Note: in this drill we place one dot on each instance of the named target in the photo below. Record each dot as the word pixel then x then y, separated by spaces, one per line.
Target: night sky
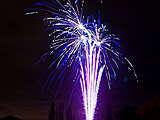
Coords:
pixel 23 40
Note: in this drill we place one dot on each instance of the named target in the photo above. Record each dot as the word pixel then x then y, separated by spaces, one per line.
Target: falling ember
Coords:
pixel 90 43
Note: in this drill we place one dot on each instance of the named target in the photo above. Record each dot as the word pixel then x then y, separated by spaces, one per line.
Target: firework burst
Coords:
pixel 75 37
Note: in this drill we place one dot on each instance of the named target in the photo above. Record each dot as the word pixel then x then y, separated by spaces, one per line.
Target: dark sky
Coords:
pixel 23 40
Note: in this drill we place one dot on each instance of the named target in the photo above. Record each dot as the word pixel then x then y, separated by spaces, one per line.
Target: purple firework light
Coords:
pixel 90 80
pixel 75 37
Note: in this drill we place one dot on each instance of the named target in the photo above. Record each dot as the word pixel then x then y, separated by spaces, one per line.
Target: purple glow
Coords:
pixel 90 80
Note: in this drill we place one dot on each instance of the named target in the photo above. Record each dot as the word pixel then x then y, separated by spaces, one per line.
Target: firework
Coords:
pixel 76 38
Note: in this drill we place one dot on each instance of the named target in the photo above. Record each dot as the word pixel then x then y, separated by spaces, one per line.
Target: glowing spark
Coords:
pixel 81 27
pixel 83 37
